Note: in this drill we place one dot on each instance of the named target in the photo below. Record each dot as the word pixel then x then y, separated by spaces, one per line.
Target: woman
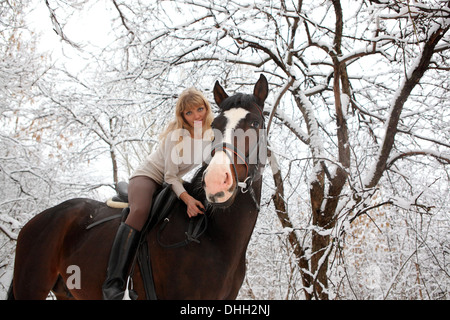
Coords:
pixel 193 118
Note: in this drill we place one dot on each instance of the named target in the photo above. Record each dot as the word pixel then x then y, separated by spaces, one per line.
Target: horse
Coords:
pixel 55 247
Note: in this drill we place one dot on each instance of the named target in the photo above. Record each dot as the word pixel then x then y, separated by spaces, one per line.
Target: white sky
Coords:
pixel 89 26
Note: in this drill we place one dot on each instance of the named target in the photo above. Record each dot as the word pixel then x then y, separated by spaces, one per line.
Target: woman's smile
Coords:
pixel 196 114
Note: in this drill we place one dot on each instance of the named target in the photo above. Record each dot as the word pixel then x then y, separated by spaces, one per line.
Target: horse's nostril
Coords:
pixel 203 178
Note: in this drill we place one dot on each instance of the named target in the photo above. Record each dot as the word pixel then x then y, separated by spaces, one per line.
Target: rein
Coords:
pixel 229 150
pixel 195 230
pixel 246 185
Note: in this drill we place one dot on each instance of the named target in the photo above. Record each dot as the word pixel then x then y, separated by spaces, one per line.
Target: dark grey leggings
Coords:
pixel 140 197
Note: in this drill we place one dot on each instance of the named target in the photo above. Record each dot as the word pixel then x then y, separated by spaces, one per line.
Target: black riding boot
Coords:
pixel 122 254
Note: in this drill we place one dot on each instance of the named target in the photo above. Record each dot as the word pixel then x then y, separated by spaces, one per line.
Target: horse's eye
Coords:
pixel 255 124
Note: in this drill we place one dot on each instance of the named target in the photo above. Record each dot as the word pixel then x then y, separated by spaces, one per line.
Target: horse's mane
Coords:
pixel 238 100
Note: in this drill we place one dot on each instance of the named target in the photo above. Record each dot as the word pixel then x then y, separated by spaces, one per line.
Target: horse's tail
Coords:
pixel 10 295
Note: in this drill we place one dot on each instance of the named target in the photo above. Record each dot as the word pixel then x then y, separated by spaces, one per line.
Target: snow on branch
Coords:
pixel 411 79
pixel 58 28
pixel 438 155
pixel 315 141
pixel 292 126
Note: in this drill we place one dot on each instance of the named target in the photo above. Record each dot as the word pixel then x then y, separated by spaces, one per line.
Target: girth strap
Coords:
pixel 103 221
pixel 162 206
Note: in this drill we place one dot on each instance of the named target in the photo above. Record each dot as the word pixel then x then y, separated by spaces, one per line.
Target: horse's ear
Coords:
pixel 219 93
pixel 261 90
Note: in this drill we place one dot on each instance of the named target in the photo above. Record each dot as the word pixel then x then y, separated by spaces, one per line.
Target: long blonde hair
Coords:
pixel 188 99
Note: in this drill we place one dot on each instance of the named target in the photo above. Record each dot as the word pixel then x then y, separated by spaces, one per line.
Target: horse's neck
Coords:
pixel 235 224
pixel 195 188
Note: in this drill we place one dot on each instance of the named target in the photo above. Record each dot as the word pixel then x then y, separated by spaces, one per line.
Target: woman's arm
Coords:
pixel 172 161
pixel 194 207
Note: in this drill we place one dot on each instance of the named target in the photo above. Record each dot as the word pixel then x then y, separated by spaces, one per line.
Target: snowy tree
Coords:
pixel 21 171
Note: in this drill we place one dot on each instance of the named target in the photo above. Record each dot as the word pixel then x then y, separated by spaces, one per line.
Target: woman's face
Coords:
pixel 197 113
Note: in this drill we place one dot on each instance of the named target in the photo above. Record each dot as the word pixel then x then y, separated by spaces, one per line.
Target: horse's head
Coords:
pixel 239 147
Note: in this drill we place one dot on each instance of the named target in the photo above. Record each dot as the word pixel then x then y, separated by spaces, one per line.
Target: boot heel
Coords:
pixel 122 254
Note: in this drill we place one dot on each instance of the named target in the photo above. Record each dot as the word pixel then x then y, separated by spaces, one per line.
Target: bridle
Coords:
pixel 251 173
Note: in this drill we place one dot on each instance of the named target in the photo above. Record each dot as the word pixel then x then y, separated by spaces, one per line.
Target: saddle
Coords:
pixel 163 202
pixel 122 192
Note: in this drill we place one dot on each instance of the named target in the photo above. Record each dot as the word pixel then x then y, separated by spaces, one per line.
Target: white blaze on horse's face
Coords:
pixel 219 177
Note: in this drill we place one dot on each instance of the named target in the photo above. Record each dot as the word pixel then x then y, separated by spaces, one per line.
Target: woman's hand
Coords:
pixel 194 207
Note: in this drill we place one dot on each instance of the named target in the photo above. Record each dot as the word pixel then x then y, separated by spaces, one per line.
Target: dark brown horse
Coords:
pixel 55 252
